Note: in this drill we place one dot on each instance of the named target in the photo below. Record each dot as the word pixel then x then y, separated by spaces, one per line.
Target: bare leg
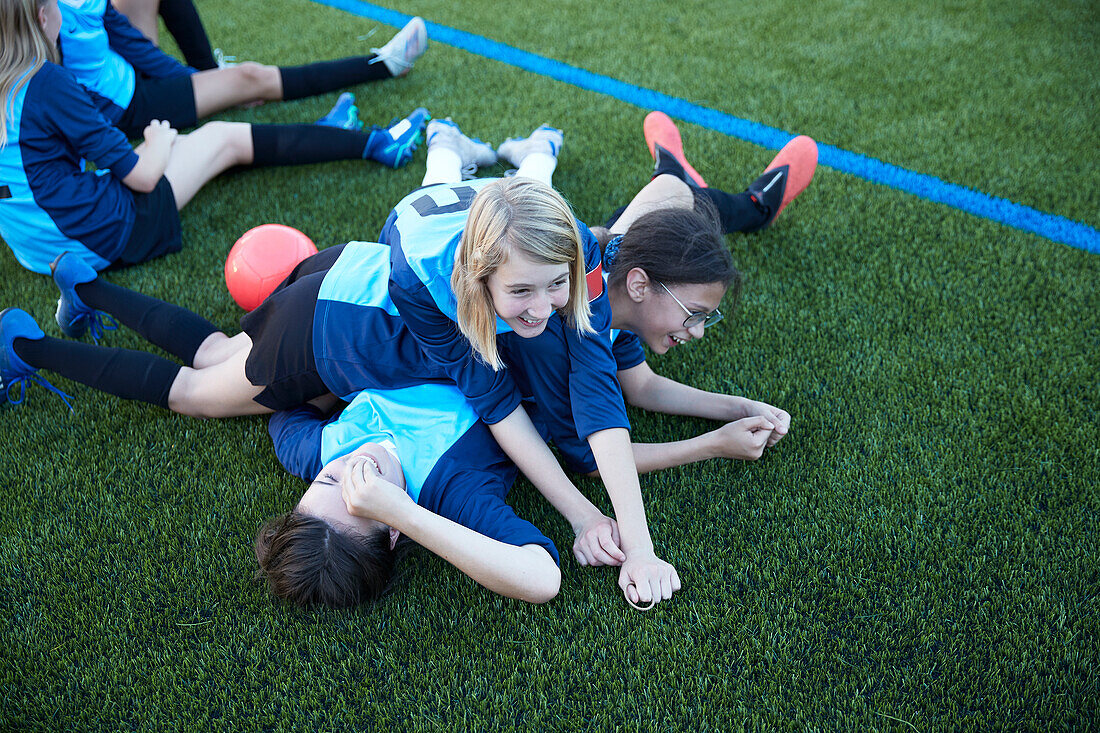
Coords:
pixel 663 192
pixel 220 389
pixel 218 348
pixel 220 89
pixel 213 148
pixel 142 15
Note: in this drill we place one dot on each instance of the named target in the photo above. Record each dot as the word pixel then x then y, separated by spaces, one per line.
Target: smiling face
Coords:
pixel 658 319
pixel 324 498
pixel 525 293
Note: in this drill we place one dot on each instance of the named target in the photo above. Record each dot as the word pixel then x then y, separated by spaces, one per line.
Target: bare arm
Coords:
pixel 644 388
pixel 644 577
pixel 528 573
pixel 153 157
pixel 597 535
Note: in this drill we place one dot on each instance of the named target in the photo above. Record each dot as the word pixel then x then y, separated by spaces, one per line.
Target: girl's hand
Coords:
pixel 597 542
pixel 780 419
pixel 744 439
pixel 367 494
pixel 160 132
pixel 646 580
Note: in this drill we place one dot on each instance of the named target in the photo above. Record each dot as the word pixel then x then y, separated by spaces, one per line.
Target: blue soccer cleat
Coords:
pixel 343 115
pixel 18 324
pixel 73 316
pixel 394 145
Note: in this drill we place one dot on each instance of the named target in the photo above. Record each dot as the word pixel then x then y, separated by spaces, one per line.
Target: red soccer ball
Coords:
pixel 261 259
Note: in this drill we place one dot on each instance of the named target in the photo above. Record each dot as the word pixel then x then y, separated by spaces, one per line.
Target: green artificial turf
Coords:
pixel 919 553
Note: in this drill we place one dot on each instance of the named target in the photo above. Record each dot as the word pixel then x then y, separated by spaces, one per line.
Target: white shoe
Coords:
pixel 545 139
pixel 473 152
pixel 223 61
pixel 404 48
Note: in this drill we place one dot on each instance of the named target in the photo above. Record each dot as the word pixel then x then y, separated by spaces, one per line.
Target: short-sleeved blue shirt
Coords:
pixel 452 465
pixel 423 232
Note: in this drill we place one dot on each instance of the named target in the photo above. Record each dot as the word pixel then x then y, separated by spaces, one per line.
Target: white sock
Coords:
pixel 443 166
pixel 539 166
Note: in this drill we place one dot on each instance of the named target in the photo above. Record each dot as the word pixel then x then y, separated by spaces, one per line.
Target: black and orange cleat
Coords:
pixel 663 139
pixel 784 178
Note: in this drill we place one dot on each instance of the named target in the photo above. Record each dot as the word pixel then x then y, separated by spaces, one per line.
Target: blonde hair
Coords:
pixel 522 215
pixel 24 47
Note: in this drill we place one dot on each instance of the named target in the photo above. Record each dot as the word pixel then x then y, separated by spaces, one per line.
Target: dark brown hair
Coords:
pixel 677 246
pixel 307 561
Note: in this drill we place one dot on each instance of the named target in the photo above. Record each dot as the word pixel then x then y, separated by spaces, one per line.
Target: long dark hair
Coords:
pixel 676 246
pixel 307 561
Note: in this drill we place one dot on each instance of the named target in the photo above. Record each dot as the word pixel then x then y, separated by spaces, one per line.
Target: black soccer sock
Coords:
pixel 171 327
pixel 298 144
pixel 183 22
pixel 737 212
pixel 132 375
pixel 328 76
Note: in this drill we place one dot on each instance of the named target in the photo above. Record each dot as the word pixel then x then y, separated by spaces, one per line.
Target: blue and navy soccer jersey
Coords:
pixel 48 203
pixel 359 339
pixel 452 465
pixel 423 231
pixel 105 52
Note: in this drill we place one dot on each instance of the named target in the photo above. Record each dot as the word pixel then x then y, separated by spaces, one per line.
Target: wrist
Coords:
pixel 737 408
pixel 582 517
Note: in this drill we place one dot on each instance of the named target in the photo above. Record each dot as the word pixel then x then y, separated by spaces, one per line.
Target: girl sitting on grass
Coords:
pixel 50 205
pixel 132 81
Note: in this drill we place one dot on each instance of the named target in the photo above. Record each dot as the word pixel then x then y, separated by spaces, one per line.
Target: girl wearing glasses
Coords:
pixel 666 270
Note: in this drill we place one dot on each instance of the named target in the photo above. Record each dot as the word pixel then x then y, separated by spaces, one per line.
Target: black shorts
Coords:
pixel 281 328
pixel 156 230
pixel 171 99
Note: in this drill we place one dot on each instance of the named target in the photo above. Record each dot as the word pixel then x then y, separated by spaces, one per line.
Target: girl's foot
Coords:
pixel 404 48
pixel 785 177
pixel 473 153
pixel 663 139
pixel 394 145
pixel 545 139
pixel 73 315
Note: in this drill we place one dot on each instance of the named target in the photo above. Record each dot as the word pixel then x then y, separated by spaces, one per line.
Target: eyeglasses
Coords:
pixel 694 318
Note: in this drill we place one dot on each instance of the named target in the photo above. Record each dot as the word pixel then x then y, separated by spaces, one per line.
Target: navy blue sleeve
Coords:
pixel 594 392
pixel 296 434
pixel 139 51
pixel 69 110
pixel 468 485
pixel 493 394
pixel 627 349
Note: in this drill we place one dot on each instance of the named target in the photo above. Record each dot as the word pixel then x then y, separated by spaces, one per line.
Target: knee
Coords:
pixel 670 188
pixel 228 138
pixel 264 79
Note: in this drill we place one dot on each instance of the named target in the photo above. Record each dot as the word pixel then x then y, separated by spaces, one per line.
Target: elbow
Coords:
pixel 545 587
pixel 543 579
pixel 141 183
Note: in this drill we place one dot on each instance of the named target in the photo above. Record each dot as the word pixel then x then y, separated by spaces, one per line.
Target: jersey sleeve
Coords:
pixel 296 435
pixel 71 112
pixel 594 392
pixel 627 348
pixel 475 498
pixel 493 394
pixel 139 51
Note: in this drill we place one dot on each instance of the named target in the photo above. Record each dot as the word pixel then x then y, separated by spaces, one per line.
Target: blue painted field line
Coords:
pixel 1051 226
